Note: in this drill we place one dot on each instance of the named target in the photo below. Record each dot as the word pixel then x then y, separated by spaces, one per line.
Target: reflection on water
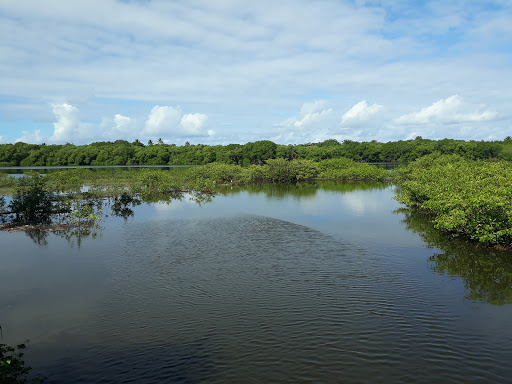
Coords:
pixel 303 190
pixel 265 284
pixel 487 273
pixel 75 219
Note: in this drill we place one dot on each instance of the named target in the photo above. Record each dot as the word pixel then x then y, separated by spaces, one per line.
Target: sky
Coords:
pixel 237 71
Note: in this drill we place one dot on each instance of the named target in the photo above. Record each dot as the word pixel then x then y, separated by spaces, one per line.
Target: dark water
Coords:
pixel 268 284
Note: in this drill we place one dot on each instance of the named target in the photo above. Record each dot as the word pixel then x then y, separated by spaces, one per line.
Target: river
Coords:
pixel 325 282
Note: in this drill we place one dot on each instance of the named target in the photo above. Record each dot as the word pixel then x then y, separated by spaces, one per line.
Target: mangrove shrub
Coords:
pixel 466 197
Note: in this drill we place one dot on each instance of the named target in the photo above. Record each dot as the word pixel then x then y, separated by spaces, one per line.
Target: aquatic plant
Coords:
pixel 466 197
pixel 284 171
pixel 32 203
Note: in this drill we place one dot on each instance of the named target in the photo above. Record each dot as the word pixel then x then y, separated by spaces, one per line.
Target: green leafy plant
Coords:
pixel 466 197
pixel 12 366
pixel 32 203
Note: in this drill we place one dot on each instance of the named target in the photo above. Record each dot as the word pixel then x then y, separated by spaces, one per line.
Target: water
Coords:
pixel 316 283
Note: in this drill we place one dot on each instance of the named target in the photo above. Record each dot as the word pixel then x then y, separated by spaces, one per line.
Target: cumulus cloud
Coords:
pixel 123 123
pixel 311 124
pixel 68 127
pixel 170 121
pixel 360 114
pixel 162 120
pixel 30 138
pixel 310 115
pixel 192 124
pixel 120 127
pixel 67 122
pixel 452 110
pixel 259 60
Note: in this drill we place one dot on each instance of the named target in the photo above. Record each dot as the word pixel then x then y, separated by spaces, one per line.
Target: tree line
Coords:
pixel 122 152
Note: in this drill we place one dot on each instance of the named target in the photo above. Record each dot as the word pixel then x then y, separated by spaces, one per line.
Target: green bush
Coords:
pixel 12 366
pixel 32 203
pixel 346 169
pixel 281 170
pixel 216 171
pixel 466 197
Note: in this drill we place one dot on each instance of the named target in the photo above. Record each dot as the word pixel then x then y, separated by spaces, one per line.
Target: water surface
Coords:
pixel 310 283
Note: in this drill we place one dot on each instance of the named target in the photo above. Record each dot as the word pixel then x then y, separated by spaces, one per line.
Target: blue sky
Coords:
pixel 225 71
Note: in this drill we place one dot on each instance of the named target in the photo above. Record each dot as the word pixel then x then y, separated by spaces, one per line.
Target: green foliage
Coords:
pixel 121 152
pixel 284 171
pixel 12 366
pixel 2 204
pixel 32 203
pixel 6 181
pixel 346 169
pixel 216 171
pixel 281 170
pixel 466 197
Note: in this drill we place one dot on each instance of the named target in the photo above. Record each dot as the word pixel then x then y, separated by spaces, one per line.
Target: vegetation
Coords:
pixel 12 366
pixel 32 203
pixel 465 198
pixel 121 152
pixel 71 202
pixel 284 171
pixel 470 198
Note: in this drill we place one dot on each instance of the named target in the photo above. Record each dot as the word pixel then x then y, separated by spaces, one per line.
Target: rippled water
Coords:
pixel 281 284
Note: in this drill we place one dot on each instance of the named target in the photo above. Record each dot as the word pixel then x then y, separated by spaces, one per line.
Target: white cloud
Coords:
pixel 123 124
pixel 193 124
pixel 162 120
pixel 247 62
pixel 68 127
pixel 360 114
pixel 311 114
pixel 120 127
pixel 169 121
pixel 166 122
pixel 311 124
pixel 30 138
pixel 452 110
pixel 67 122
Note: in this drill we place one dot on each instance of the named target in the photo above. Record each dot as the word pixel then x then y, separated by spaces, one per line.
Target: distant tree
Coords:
pixel 329 142
pixel 160 141
pixel 150 142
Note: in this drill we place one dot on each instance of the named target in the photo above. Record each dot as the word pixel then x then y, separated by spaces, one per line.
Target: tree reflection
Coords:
pixel 121 205
pixel 302 189
pixel 77 218
pixel 38 236
pixel 487 272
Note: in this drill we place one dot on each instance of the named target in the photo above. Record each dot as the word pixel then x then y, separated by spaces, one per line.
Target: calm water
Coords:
pixel 292 284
